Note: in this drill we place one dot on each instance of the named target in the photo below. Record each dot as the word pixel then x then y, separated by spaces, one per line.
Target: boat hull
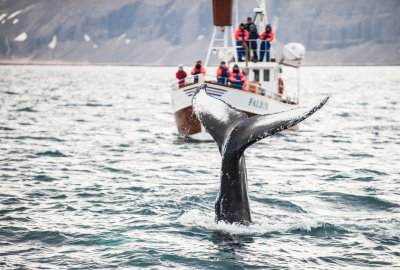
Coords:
pixel 187 122
pixel 250 103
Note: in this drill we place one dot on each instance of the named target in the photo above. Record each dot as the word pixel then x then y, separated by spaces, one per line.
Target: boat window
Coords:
pixel 266 75
pixel 256 75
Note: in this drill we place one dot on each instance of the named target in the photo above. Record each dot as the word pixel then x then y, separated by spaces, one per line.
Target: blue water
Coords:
pixel 93 176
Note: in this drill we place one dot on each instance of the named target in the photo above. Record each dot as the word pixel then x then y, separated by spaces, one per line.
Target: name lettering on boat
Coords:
pixel 258 104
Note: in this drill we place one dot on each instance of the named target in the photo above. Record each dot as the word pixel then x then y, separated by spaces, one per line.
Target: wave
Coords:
pixel 26 109
pixel 46 237
pixel 50 154
pixel 33 138
pixel 360 201
pixel 287 205
pixel 43 178
pixel 7 129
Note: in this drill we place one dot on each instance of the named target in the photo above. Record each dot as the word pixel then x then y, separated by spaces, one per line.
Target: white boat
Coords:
pixel 263 92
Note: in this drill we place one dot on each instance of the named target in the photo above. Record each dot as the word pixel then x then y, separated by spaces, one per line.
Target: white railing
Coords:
pixel 249 87
pixel 256 50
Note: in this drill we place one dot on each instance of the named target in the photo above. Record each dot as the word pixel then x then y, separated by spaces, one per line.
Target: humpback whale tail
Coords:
pixel 234 131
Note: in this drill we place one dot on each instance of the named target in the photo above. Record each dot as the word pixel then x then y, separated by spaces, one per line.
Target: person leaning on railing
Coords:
pixel 198 69
pixel 265 47
pixel 253 37
pixel 241 36
pixel 223 73
pixel 181 75
pixel 237 78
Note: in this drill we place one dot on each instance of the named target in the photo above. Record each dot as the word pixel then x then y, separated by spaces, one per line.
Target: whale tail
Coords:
pixel 234 131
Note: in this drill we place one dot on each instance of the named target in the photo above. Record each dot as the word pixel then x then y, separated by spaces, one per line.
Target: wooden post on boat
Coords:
pixel 246 70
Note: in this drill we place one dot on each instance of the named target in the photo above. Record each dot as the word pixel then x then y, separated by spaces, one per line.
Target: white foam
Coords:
pixel 15 21
pixel 197 218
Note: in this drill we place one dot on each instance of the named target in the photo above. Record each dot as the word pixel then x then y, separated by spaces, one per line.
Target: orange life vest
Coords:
pixel 268 37
pixel 241 35
pixel 196 71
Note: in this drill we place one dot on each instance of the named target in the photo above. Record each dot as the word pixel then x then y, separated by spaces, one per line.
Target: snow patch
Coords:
pixel 2 16
pixel 86 37
pixel 201 37
pixel 122 36
pixel 16 13
pixel 127 41
pixel 21 37
pixel 15 21
pixel 53 42
pixel 95 46
pixel 3 21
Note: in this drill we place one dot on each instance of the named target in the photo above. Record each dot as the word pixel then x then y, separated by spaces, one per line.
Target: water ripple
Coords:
pixel 93 176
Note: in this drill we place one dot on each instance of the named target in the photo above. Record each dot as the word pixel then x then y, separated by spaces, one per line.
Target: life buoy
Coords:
pixel 281 87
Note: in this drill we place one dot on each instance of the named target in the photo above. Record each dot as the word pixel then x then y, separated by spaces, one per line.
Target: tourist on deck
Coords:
pixel 237 78
pixel 241 36
pixel 267 37
pixel 198 69
pixel 249 23
pixel 181 75
pixel 223 73
pixel 253 34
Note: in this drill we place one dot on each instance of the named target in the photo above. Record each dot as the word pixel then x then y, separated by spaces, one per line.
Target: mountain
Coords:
pixel 168 32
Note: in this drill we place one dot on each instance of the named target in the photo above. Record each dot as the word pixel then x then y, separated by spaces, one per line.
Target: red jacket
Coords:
pixel 181 75
pixel 241 35
pixel 268 37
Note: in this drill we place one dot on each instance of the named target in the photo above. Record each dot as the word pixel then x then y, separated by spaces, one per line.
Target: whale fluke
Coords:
pixel 234 131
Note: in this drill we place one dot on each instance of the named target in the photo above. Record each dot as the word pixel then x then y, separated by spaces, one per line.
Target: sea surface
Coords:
pixel 94 176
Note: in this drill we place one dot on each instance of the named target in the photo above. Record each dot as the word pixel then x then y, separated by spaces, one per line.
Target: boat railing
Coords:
pixel 252 87
pixel 255 51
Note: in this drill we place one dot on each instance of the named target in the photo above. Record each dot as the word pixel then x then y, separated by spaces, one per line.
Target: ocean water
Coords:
pixel 93 176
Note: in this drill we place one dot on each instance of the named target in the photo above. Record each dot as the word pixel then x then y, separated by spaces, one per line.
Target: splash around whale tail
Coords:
pixel 233 130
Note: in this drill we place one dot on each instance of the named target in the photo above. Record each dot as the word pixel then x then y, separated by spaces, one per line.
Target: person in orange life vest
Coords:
pixel 236 78
pixel 198 69
pixel 241 36
pixel 181 75
pixel 222 73
pixel 266 38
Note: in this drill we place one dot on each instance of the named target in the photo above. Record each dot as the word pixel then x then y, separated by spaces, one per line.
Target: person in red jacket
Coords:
pixel 237 78
pixel 241 36
pixel 198 69
pixel 266 38
pixel 181 75
pixel 223 73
